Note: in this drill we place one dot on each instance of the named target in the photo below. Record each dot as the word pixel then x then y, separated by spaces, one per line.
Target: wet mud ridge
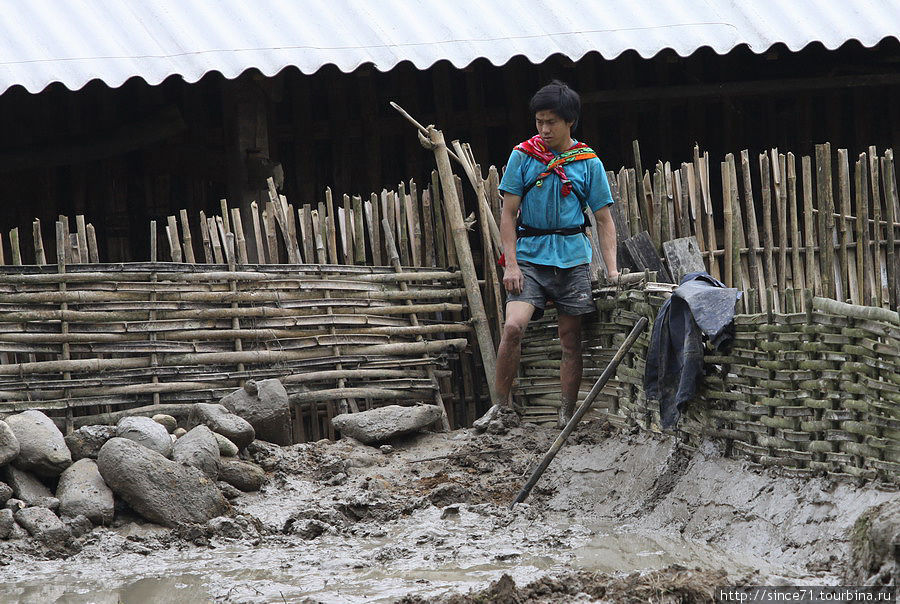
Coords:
pixel 618 516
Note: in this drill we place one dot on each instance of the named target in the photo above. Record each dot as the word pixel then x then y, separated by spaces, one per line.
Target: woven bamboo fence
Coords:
pixel 352 305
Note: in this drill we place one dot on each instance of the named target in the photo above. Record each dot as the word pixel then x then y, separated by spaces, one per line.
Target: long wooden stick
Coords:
pixel 585 406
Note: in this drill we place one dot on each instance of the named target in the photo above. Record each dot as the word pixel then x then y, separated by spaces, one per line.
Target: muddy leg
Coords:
pixel 570 370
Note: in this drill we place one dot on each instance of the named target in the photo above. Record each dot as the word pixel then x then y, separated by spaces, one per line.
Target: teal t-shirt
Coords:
pixel 544 207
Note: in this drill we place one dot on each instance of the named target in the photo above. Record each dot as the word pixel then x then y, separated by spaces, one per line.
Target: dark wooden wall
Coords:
pixel 125 156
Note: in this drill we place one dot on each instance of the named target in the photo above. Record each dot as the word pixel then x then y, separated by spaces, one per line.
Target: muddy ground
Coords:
pixel 619 516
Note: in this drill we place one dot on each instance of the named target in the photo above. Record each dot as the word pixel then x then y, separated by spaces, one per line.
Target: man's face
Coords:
pixel 555 132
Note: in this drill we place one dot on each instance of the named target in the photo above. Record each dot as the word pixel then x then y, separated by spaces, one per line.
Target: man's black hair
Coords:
pixel 558 98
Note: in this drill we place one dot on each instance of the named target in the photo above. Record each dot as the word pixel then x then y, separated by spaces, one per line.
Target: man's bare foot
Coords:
pixel 566 410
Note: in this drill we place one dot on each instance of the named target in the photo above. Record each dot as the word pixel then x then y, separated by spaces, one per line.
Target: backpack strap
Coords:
pixel 524 230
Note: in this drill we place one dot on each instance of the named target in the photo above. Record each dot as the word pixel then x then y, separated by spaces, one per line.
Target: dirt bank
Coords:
pixel 347 522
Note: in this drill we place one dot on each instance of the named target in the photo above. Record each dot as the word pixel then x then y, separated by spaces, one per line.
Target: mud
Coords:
pixel 617 513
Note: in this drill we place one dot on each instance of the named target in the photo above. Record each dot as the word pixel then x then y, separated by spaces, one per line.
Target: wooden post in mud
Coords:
pixel 582 409
pixel 453 212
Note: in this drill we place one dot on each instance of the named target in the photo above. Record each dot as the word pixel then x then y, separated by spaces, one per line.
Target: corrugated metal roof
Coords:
pixel 75 41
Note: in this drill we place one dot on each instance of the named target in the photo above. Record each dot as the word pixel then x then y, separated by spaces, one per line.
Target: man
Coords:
pixel 550 181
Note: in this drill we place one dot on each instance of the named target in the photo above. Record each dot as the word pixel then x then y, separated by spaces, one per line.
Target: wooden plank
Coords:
pixel 93 250
pixel 172 235
pixel 683 256
pixel 813 279
pixel 644 254
pixel 261 256
pixel 849 288
pixel 304 215
pixel 753 260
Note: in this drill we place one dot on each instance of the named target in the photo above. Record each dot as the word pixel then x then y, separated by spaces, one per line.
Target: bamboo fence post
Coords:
pixel 756 269
pixel 440 241
pixel 891 202
pixel 669 227
pixel 415 223
pixel 40 257
pixel 741 264
pixel 347 231
pixel 188 241
pixel 453 211
pixel 826 217
pixel 401 224
pixel 394 259
pixel 204 237
pixel 654 209
pixel 271 235
pixel 172 236
pixel 428 228
pixel 15 251
pixel 373 221
pixel 708 209
pixel 93 250
pixel 317 222
pixel 813 279
pixel 694 196
pixel 152 312
pixel 766 182
pixel 239 238
pixel 257 233
pixel 637 224
pixel 779 169
pixel 359 233
pixel 862 213
pixel 874 172
pixel 81 231
pixel 223 206
pixel 64 325
pixel 727 205
pixel 215 241
pixel 798 282
pixel 304 215
pixel 2 259
pixel 848 281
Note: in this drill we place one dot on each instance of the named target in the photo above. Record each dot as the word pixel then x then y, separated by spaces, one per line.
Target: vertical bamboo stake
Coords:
pixel 39 256
pixel 891 202
pixel 848 281
pixel 2 259
pixel 373 216
pixel 874 172
pixel 240 240
pixel 741 265
pixel 729 225
pixel 61 240
pixel 204 236
pixel 779 170
pixel 453 211
pixel 394 260
pixel 188 241
pixel 317 222
pixel 669 228
pixel 329 227
pixel 15 252
pixel 153 249
pixel 403 225
pixel 151 314
pixel 213 230
pixel 415 225
pixel 359 234
pixel 809 228
pixel 93 250
pixel 223 205
pixel 428 228
pixel 348 231
pixel 756 269
pixel 862 213
pixel 174 244
pixel 797 281
pixel 654 209
pixel 826 217
pixel 708 209
pixel 268 219
pixel 304 215
pixel 81 231
pixel 766 181
pixel 634 206
pixel 257 234
pixel 440 239
pixel 694 196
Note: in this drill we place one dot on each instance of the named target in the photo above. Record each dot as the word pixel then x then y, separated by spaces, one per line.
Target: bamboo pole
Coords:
pixel 347 231
pixel 766 180
pixel 81 231
pixel 453 211
pixel 797 279
pixel 257 233
pixel 891 202
pixel 874 172
pixel 373 222
pixel 862 213
pixel 40 257
pixel 188 241
pixel 848 282
pixel 243 256
pixel 813 279
pixel 15 251
pixel 826 205
pixel 93 250
pixel 304 215
pixel 727 205
pixel 359 234
pixel 779 169
pixel 64 325
pixel 756 269
pixel 394 259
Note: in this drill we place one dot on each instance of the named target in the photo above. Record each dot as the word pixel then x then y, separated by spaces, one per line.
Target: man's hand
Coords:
pixel 613 276
pixel 513 280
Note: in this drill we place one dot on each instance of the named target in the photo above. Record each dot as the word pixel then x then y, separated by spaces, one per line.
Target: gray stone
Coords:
pixel 79 525
pixel 244 475
pixel 82 491
pixel 51 503
pixel 265 405
pixel 158 489
pixel 87 440
pixel 146 432
pixel 43 525
pixel 226 447
pixel 166 421
pixel 198 448
pixel 179 432
pixel 874 542
pixel 7 522
pixel 6 492
pixel 228 491
pixel 9 444
pixel 384 423
pixel 222 421
pixel 42 449
pixel 14 504
pixel 25 486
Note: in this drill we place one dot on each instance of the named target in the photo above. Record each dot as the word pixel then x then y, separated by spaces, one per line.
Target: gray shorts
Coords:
pixel 568 288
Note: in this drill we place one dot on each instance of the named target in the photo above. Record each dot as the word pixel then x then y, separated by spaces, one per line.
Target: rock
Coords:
pixel 222 421
pixel 9 444
pixel 383 424
pixel 15 505
pixel 166 421
pixel 87 440
pixel 146 432
pixel 226 447
pixel 225 527
pixel 244 475
pixel 497 420
pixel 25 486
pixel 874 542
pixel 158 489
pixel 179 432
pixel 449 493
pixel 42 449
pixel 6 492
pixel 7 522
pixel 81 491
pixel 265 405
pixel 198 448
pixel 43 525
pixel 386 449
pixel 228 491
pixel 51 503
pixel 79 525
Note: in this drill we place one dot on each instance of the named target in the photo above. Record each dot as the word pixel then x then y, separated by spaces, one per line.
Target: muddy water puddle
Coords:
pixel 423 554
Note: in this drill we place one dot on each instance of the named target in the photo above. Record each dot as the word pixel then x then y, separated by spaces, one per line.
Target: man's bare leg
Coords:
pixel 570 369
pixel 518 314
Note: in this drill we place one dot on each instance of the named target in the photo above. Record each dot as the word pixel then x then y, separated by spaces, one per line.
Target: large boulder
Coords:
pixel 199 448
pixel 874 545
pixel 384 423
pixel 26 487
pixel 43 525
pixel 146 432
pixel 5 492
pixel 160 490
pixel 42 449
pixel 222 421
pixel 9 444
pixel 240 474
pixel 265 405
pixel 87 440
pixel 7 523
pixel 81 490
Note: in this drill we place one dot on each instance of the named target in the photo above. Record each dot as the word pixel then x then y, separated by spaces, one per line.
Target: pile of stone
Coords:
pixel 54 487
